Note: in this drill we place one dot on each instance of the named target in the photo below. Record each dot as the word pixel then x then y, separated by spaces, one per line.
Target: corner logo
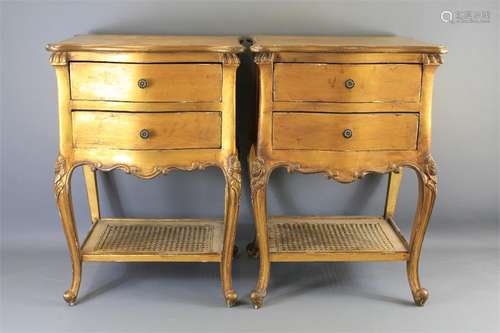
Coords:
pixel 465 16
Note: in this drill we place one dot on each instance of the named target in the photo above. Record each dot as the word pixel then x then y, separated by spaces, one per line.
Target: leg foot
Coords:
pixel 257 299
pixel 231 298
pixel 421 296
pixel 70 297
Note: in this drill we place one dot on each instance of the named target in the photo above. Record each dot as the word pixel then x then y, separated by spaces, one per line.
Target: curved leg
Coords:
pixel 232 172
pixel 258 182
pixel 62 189
pixel 427 188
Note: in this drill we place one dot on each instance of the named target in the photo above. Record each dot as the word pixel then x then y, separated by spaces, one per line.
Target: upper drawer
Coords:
pixel 347 83
pixel 146 131
pixel 146 82
pixel 345 132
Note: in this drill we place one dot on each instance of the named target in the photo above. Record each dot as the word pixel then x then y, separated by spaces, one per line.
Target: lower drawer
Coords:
pixel 123 130
pixel 345 132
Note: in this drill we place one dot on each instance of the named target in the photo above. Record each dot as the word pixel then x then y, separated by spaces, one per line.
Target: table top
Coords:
pixel 148 43
pixel 344 44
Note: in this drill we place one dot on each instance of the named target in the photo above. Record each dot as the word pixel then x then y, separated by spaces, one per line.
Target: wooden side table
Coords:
pixel 345 107
pixel 147 105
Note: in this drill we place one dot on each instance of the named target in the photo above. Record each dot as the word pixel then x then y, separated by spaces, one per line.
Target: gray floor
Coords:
pixel 459 267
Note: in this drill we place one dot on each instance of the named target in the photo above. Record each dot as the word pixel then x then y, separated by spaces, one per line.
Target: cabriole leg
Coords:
pixel 258 182
pixel 62 189
pixel 232 172
pixel 427 188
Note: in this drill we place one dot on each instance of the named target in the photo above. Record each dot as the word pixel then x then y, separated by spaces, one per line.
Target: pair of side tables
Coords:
pixel 343 106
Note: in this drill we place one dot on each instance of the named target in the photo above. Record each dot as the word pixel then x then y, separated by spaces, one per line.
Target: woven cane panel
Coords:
pixel 328 237
pixel 157 238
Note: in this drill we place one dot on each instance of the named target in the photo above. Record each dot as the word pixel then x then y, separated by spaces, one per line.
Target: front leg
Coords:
pixel 62 190
pixel 427 188
pixel 232 173
pixel 258 180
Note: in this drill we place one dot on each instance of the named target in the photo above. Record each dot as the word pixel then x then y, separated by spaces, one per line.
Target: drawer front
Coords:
pixel 146 82
pixel 345 132
pixel 347 83
pixel 122 130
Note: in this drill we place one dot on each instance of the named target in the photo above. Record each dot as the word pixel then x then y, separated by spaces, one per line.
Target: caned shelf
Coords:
pixel 335 238
pixel 177 240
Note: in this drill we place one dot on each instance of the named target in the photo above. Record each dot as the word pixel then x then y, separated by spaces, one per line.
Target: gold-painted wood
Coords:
pixel 139 107
pixel 342 44
pixel 335 238
pixel 328 82
pixel 346 107
pixel 349 58
pixel 302 107
pixel 393 185
pixel 427 191
pixel 62 190
pixel 387 131
pixel 148 43
pixel 116 130
pixel 154 240
pixel 189 113
pixel 232 174
pixel 164 82
pixel 258 185
pixel 145 57
pixel 92 193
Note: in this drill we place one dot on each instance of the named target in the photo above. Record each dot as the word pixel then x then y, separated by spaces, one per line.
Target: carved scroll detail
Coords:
pixel 264 58
pixel 339 175
pixel 258 175
pixel 230 59
pixel 233 171
pixel 147 173
pixel 432 59
pixel 58 59
pixel 430 172
pixel 60 175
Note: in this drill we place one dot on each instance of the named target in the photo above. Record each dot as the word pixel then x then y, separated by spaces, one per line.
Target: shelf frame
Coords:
pixel 91 253
pixel 388 230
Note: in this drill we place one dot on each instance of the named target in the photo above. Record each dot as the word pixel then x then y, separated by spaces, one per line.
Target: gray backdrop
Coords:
pixel 465 116
pixel 464 111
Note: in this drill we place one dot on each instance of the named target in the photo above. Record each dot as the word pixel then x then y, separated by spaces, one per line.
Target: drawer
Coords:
pixel 347 83
pixel 123 130
pixel 345 132
pixel 146 82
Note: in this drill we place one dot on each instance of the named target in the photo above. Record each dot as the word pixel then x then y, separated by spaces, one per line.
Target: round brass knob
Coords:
pixel 143 83
pixel 144 134
pixel 349 83
pixel 347 133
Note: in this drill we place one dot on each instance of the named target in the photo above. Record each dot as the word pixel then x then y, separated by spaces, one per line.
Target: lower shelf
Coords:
pixel 338 238
pixel 154 240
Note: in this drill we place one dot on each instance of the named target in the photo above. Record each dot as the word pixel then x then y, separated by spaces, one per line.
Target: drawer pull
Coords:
pixel 143 83
pixel 349 83
pixel 144 134
pixel 347 133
